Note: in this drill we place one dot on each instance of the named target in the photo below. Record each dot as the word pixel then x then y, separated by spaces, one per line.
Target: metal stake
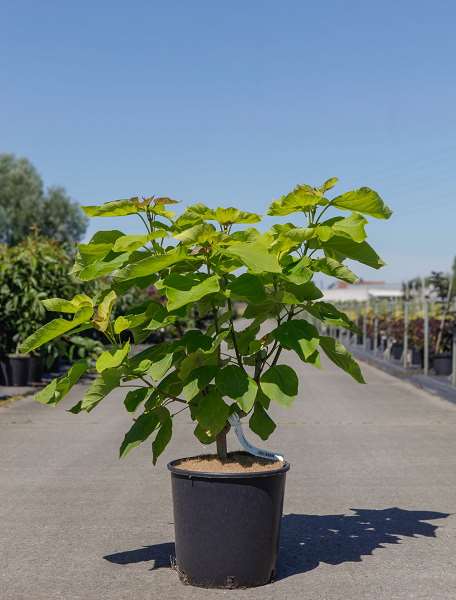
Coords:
pixel 375 334
pixel 406 321
pixel 426 337
pixel 453 371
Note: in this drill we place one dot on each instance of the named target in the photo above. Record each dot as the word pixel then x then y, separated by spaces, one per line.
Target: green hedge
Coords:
pixel 37 268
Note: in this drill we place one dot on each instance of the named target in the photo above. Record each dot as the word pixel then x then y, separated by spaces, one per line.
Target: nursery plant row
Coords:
pixel 417 334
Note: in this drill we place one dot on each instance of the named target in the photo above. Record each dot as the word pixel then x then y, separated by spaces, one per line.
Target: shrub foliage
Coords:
pixel 214 258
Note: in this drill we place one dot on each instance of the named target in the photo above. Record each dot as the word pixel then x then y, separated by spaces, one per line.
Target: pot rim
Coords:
pixel 175 470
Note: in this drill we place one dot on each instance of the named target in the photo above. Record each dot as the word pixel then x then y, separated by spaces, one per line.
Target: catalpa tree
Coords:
pixel 213 258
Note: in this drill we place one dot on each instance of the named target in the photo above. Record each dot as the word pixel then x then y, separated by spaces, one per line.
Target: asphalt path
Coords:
pixel 369 509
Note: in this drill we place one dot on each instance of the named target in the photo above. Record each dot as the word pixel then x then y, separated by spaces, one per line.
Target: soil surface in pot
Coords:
pixel 237 462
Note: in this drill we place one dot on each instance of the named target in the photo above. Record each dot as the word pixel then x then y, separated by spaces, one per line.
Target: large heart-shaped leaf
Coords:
pixel 248 287
pixel 332 267
pixel 163 437
pixel 298 335
pixel 198 379
pixel 185 289
pixel 339 248
pixel 141 429
pixel 135 397
pixel 100 388
pixel 261 423
pixel 211 412
pixel 54 329
pixel 130 243
pixel 280 384
pixel 297 294
pixel 256 256
pixel 114 208
pixel 232 381
pixel 198 234
pixel 341 357
pixel 302 198
pixel 330 315
pixel 152 264
pixel 58 388
pixel 365 201
pixel 110 359
pixel 230 216
pixel 352 227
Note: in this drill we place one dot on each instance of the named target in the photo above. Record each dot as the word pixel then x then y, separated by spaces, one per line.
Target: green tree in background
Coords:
pixel 25 205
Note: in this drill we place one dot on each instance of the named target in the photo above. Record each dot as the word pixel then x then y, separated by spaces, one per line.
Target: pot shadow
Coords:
pixel 160 554
pixel 308 540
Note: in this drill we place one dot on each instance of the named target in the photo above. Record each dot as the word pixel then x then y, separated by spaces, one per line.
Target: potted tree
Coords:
pixel 442 357
pixel 227 506
pixel 397 333
pixel 416 341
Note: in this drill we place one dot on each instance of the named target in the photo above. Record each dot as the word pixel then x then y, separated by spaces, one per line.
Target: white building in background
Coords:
pixel 362 291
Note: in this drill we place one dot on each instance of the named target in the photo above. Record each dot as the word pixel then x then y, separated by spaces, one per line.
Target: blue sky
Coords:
pixel 235 102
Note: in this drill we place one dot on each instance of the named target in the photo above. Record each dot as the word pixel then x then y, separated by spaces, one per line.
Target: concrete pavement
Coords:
pixel 369 510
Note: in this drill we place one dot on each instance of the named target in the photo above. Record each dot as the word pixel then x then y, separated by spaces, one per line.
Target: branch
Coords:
pixel 280 348
pixel 179 411
pixel 175 398
pixel 233 335
pixel 144 221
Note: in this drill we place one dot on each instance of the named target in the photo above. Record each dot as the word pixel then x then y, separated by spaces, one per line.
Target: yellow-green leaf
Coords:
pixel 280 384
pixel 230 216
pixel 256 256
pixel 152 264
pixel 365 201
pixel 58 388
pixel 184 289
pixel 54 329
pixel 115 208
pixel 329 184
pixel 103 314
pixel 130 243
pixel 332 267
pixel 110 359
pixel 340 356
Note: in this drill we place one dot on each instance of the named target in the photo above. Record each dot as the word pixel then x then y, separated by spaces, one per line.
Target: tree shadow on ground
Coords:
pixel 308 540
pixel 159 554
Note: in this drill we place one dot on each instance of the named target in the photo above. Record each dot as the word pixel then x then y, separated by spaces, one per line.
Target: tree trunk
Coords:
pixel 221 444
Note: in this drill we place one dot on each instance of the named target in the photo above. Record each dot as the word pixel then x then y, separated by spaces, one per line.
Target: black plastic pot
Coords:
pixel 396 350
pixel 35 369
pixel 442 364
pixel 2 371
pixel 227 526
pixel 17 370
pixel 417 357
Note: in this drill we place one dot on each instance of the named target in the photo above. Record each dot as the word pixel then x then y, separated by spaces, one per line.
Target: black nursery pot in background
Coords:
pixel 35 369
pixel 396 350
pixel 17 369
pixel 3 374
pixel 227 526
pixel 442 364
